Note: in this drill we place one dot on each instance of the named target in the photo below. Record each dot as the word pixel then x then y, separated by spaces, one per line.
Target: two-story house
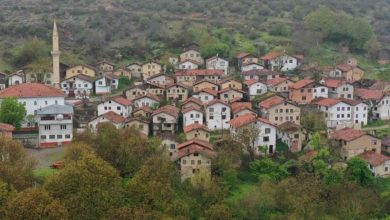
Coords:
pixel 230 94
pixel 105 66
pixel 279 84
pixel 244 58
pixel 217 63
pixel 177 92
pixel 382 109
pixel 242 108
pixel 302 91
pixel 196 131
pixel 255 88
pixel 280 61
pixel 260 75
pixel 135 70
pixel 292 135
pixel 262 131
pixel 79 86
pixel 150 69
pixel 218 115
pixel 353 142
pixel 192 53
pixel 109 117
pixel 230 83
pixel 339 88
pixel 278 110
pixel 160 79
pixel 204 84
pixel 106 84
pixel 205 95
pixel 119 105
pixel 165 119
pixel 149 100
pixel 188 64
pixel 192 102
pixel 80 69
pixel 189 77
pixel 192 115
pixel 138 123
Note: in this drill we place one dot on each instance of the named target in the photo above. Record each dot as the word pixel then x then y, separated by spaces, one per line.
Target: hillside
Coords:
pixel 128 30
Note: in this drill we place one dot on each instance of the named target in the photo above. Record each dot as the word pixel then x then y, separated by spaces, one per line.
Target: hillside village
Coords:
pixel 257 99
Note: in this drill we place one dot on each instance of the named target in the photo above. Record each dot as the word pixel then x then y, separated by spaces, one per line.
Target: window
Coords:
pixel 265 139
pixel 172 146
pixel 199 162
pixel 43 137
pixel 63 127
pixel 211 117
pixel 118 108
pixel 192 162
pixel 35 103
pixel 223 109
pixel 386 169
pixel 276 118
pixel 268 130
pixel 59 136
pixel 67 136
pixel 184 162
pixel 223 117
pixel 196 154
pixel 47 127
pixel 373 142
pixel 259 91
pixel 303 98
pixel 211 109
pixel 52 136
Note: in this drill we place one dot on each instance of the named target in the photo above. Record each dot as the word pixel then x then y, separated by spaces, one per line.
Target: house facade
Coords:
pixel 278 111
pixel 204 84
pixel 165 119
pixel 119 105
pixel 79 86
pixel 217 63
pixel 301 92
pixel 106 84
pixel 218 115
pixel 80 69
pixel 150 69
pixel 177 92
pixel 279 84
pixel 139 124
pixel 256 88
pixel 109 117
pixel 280 61
pixel 192 115
pixel 149 100
pixel 196 131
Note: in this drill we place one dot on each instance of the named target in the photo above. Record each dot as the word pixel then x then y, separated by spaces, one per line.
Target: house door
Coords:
pixel 271 149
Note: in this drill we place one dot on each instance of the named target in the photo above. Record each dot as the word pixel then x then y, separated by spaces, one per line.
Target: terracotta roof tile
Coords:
pixel 168 109
pixel 326 101
pixel 347 134
pixel 215 101
pixel 6 127
pixel 205 80
pixel 272 55
pixel 148 95
pixel 195 126
pixel 250 82
pixel 333 83
pixel 261 72
pixel 243 120
pixel 194 100
pixel 301 83
pixel 199 72
pixel 276 81
pixel 289 126
pixel 208 91
pixel 345 67
pixel 31 90
pixel 270 102
pixel 122 101
pixel 229 89
pixel 238 106
pixel 368 94
pixel 114 117
pixel 242 55
pixel 192 108
pixel 373 158
pixel 144 108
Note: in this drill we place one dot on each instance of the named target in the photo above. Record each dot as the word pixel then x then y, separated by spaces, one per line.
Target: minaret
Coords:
pixel 56 57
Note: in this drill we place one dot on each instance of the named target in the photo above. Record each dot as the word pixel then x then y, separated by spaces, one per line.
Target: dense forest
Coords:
pixel 124 31
pixel 115 174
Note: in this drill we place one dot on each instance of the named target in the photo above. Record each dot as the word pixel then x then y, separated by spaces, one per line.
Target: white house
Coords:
pixel 339 88
pixel 55 123
pixel 79 86
pixel 280 61
pixel 119 105
pixel 135 69
pixel 260 75
pixel 218 115
pixel 382 109
pixel 259 129
pixel 251 66
pixel 217 63
pixel 378 163
pixel 342 113
pixel 16 78
pixel 109 117
pixel 188 64
pixel 255 87
pixel 34 96
pixel 146 100
pixel 206 95
pixel 106 84
pixel 165 119
pixel 192 115
pixel 320 91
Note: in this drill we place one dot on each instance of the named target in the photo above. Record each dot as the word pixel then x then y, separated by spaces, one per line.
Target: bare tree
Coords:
pixel 248 137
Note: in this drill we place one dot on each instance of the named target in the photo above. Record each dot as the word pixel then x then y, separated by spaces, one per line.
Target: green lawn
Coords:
pixel 376 123
pixel 43 173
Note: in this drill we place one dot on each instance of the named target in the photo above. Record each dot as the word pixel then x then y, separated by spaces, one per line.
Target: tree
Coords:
pixel 35 203
pixel 88 187
pixel 357 170
pixel 39 68
pixel 267 167
pixel 15 165
pixel 29 51
pixel 12 112
pixel 247 137
pixel 219 212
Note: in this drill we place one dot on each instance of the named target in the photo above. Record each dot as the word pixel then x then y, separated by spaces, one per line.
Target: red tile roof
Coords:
pixel 122 101
pixel 301 83
pixel 238 106
pixel 192 108
pixel 209 91
pixel 6 127
pixel 31 90
pixel 168 109
pixel 326 101
pixel 144 108
pixel 345 67
pixel 215 101
pixel 195 126
pixel 148 95
pixel 289 126
pixel 333 83
pixel 194 100
pixel 369 94
pixel 242 55
pixel 205 80
pixel 250 82
pixel 373 158
pixel 270 102
pixel 199 72
pixel 243 120
pixel 259 72
pixel 276 81
pixel 229 89
pixel 229 79
pixel 114 117
pixel 272 55
pixel 347 134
